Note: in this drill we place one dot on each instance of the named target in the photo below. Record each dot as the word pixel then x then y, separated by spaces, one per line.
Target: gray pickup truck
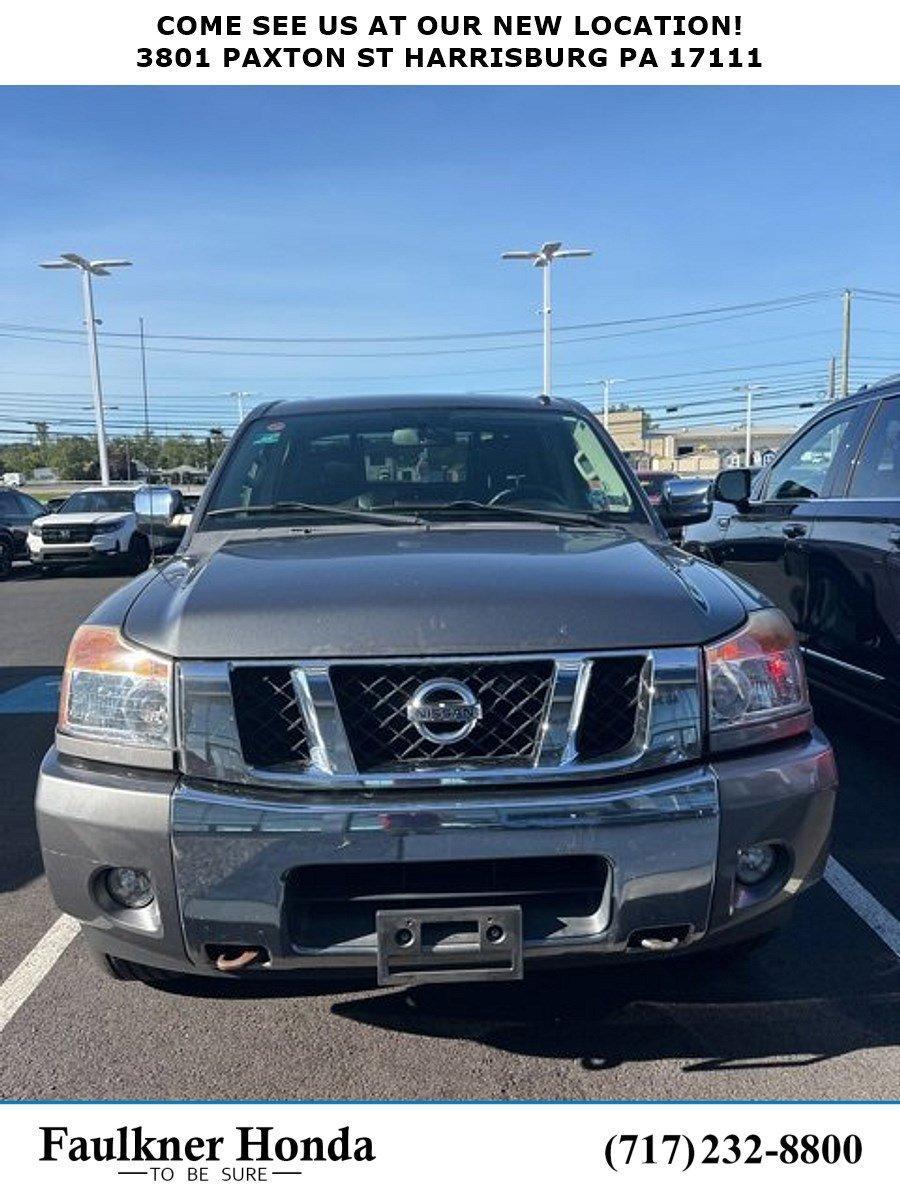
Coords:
pixel 427 692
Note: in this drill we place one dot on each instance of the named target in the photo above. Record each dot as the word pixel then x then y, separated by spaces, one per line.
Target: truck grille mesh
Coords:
pixel 610 706
pixel 68 533
pixel 373 699
pixel 269 720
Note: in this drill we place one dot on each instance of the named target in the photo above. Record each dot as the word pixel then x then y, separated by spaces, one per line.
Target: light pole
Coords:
pixel 751 389
pixel 544 259
pixel 607 384
pixel 845 344
pixel 89 268
pixel 240 397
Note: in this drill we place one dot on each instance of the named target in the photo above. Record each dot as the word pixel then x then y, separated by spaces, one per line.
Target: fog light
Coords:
pixel 755 863
pixel 129 887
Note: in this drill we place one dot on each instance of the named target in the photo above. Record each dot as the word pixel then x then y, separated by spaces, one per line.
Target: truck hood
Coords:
pixel 91 518
pixel 374 593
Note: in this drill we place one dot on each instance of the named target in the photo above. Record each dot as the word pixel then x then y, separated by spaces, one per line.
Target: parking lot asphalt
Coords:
pixel 814 1014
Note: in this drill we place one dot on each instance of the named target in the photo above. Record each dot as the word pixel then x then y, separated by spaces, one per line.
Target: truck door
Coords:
pixel 854 571
pixel 767 543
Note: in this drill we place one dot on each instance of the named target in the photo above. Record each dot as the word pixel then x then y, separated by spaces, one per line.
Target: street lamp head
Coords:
pixel 69 261
pixel 547 253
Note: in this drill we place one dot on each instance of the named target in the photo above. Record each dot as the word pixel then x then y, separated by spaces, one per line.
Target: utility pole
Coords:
pixel 845 345
pixel 832 380
pixel 607 384
pixel 543 259
pixel 88 269
pixel 144 382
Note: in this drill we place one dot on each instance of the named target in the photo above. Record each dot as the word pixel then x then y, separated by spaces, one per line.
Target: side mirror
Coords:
pixel 734 486
pixel 156 508
pixel 684 502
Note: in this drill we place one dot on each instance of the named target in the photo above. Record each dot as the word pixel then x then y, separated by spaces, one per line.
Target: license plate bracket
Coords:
pixel 449 945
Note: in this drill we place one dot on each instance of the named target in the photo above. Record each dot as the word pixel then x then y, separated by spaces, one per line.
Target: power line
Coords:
pixel 749 306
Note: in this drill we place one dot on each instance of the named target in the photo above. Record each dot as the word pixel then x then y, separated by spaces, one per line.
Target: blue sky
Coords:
pixel 329 212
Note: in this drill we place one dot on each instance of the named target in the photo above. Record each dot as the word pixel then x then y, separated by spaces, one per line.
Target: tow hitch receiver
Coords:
pixel 449 945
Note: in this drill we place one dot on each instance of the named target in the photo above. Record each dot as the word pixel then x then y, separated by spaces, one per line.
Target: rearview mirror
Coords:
pixel 733 486
pixel 684 502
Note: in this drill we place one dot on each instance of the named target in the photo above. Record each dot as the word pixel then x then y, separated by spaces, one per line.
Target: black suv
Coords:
pixel 17 511
pixel 819 533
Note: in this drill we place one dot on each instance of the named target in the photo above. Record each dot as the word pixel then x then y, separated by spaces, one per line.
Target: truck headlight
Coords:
pixel 115 692
pixel 35 531
pixel 755 674
pixel 108 526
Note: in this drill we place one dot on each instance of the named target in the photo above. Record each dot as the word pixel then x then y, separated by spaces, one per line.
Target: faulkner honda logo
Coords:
pixel 252 1152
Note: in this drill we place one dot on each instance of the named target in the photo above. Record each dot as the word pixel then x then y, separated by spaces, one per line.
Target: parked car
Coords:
pixel 93 525
pixel 17 511
pixel 427 692
pixel 819 532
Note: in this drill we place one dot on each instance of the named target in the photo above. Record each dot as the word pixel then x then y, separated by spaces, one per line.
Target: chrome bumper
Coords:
pixel 222 861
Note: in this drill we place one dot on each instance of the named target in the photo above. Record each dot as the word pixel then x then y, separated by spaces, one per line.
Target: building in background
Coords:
pixel 691 449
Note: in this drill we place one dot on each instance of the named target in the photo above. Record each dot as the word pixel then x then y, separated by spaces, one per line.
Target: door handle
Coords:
pixel 793 529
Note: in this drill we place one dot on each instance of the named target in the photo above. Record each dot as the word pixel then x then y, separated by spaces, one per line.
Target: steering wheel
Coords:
pixel 527 491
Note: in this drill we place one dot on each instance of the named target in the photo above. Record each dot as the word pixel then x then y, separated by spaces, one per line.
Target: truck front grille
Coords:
pixel 610 709
pixel 373 702
pixel 328 724
pixel 270 723
pixel 53 534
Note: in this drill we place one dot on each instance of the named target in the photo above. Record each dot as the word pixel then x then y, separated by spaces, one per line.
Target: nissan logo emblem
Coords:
pixel 443 711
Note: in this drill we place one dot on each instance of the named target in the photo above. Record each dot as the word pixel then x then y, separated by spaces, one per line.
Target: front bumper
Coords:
pixel 225 863
pixel 101 546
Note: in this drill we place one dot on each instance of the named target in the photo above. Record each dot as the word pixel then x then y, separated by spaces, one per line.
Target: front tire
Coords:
pixel 131 972
pixel 6 559
pixel 138 556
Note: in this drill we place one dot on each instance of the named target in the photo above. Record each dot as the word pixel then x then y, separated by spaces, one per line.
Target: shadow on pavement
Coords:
pixel 823 988
pixel 788 1004
pixel 24 739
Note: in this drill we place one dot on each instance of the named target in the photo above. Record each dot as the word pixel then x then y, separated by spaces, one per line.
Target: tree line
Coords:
pixel 74 456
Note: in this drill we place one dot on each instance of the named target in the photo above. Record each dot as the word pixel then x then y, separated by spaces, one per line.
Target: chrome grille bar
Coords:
pixel 667 728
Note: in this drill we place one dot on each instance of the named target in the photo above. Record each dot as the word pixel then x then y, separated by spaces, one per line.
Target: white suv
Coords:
pixel 94 525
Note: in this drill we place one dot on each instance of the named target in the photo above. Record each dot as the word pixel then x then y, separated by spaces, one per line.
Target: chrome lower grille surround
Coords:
pixel 666 727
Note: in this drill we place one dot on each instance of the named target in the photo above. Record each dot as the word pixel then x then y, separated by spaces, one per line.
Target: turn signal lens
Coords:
pixel 115 692
pixel 756 673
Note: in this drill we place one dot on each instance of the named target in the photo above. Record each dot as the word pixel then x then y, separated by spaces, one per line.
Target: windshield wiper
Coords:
pixel 544 515
pixel 324 510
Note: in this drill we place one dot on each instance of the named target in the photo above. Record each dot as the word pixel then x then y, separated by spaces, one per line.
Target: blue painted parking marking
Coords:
pixel 38 695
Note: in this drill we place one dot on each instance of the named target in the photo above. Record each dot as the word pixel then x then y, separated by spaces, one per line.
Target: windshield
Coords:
pixel 391 460
pixel 99 502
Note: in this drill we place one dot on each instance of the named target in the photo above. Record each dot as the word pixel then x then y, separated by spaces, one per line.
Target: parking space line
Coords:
pixel 15 990
pixel 876 916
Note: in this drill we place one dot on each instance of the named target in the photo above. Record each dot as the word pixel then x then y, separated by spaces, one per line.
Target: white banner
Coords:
pixel 344 1151
pixel 160 41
